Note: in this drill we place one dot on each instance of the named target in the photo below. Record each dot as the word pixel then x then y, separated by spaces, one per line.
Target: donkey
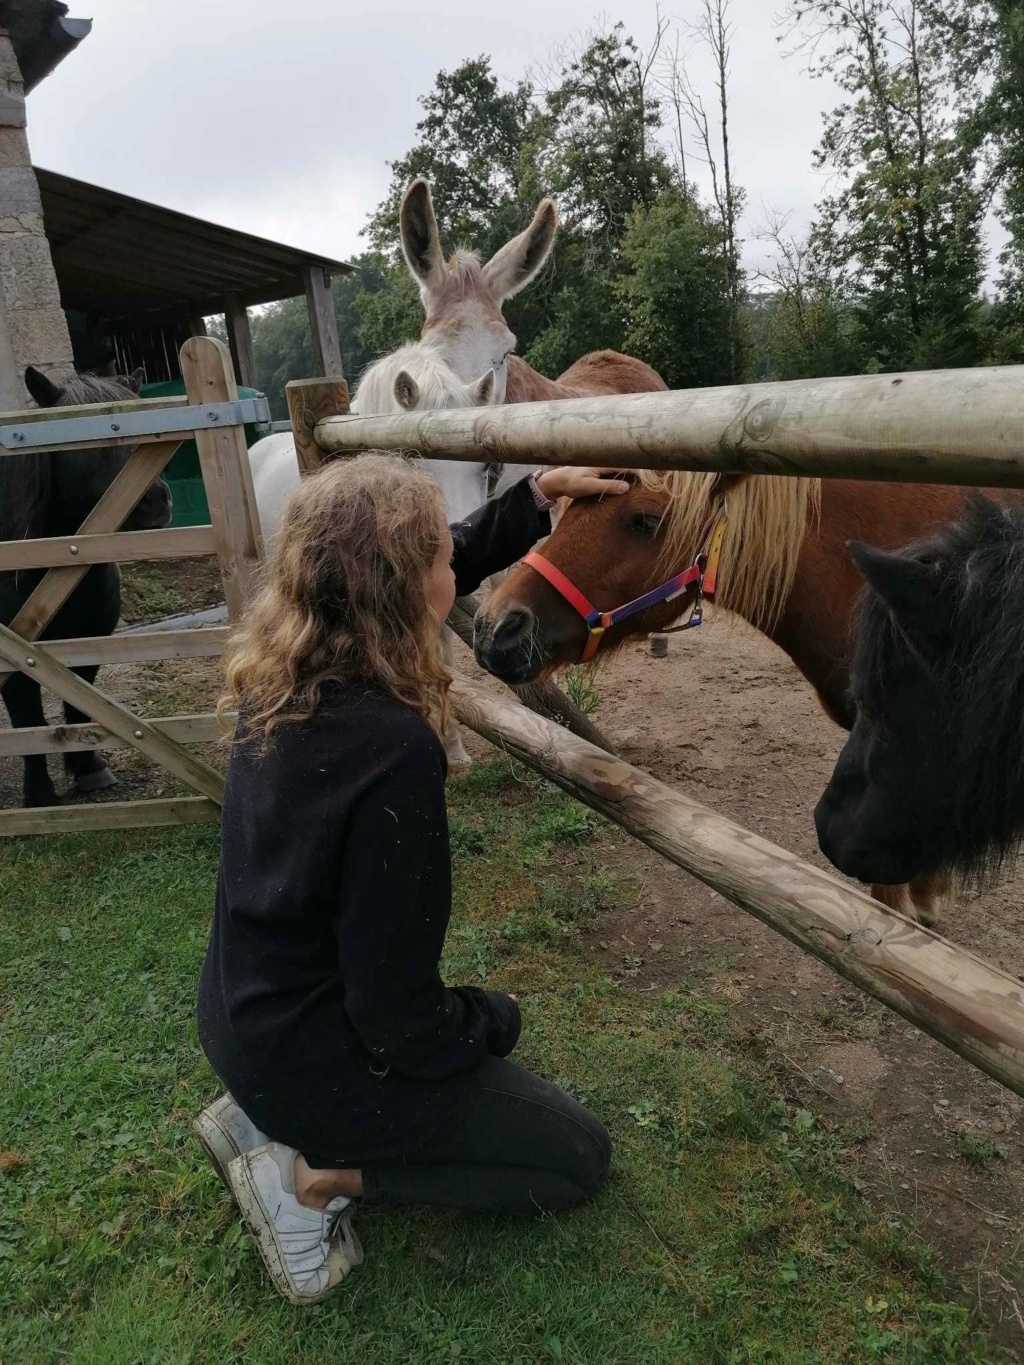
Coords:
pixel 462 301
pixel 50 495
pixel 931 780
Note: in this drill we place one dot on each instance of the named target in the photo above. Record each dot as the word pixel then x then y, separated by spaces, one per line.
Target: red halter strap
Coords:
pixel 703 572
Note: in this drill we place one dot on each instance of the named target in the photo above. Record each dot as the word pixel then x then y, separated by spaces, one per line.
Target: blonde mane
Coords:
pixel 767 519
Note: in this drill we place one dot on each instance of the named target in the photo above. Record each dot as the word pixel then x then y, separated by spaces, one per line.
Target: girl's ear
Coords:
pixel 44 391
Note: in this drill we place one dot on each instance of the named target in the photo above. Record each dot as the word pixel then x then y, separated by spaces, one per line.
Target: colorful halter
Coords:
pixel 703 572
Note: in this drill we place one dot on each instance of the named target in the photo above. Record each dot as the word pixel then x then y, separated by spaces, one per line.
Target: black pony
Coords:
pixel 50 495
pixel 932 777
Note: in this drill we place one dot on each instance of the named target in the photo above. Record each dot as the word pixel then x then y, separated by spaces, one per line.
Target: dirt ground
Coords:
pixel 727 718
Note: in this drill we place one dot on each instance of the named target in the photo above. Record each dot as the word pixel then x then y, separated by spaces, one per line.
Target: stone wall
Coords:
pixel 33 330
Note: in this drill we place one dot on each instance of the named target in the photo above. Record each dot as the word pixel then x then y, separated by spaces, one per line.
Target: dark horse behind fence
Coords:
pixel 51 495
pixel 932 776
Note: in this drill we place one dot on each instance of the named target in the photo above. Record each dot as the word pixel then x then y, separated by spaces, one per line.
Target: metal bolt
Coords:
pixel 18 435
pixel 115 426
pixel 73 549
pixel 31 663
pixel 213 416
pixel 138 734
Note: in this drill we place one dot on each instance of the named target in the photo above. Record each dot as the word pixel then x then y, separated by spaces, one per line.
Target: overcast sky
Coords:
pixel 279 118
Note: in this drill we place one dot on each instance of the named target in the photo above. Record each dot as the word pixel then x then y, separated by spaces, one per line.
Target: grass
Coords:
pixel 726 1234
pixel 581 684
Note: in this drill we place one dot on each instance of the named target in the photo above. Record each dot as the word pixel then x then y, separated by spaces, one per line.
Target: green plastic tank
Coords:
pixel 183 473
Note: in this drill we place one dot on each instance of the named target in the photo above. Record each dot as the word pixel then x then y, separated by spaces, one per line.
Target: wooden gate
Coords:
pixel 211 415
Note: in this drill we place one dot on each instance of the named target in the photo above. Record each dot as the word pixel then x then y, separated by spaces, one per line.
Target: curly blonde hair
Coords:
pixel 345 598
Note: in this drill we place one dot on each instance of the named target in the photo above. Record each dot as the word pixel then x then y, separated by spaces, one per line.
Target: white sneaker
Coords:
pixel 226 1132
pixel 307 1251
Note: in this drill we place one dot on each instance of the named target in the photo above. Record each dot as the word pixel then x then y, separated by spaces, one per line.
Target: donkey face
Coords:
pixel 462 299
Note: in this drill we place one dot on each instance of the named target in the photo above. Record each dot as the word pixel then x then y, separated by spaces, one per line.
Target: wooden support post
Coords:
pixel 227 475
pixel 950 426
pixel 112 510
pixel 236 317
pixel 36 663
pixel 196 325
pixel 309 400
pixel 323 323
pixel 976 1009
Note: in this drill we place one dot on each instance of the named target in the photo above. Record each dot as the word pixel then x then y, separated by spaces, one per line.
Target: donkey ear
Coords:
pixel 909 588
pixel 482 392
pixel 407 391
pixel 421 244
pixel 44 391
pixel 134 381
pixel 515 265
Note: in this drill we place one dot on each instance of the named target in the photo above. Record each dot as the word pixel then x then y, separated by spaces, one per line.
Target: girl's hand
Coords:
pixel 572 482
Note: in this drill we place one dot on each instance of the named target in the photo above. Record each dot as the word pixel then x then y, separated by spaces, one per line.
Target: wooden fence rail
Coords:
pixel 951 426
pixel 966 1003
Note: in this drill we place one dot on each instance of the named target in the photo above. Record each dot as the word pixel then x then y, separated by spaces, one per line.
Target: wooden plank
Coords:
pixel 26 416
pixel 227 475
pixel 184 810
pixel 109 514
pixel 236 317
pixel 32 659
pixel 115 547
pixel 976 1009
pixel 197 324
pixel 310 400
pixel 77 739
pixel 949 426
pixel 141 646
pixel 323 322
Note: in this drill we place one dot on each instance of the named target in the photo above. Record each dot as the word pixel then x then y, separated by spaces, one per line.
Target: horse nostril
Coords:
pixel 512 627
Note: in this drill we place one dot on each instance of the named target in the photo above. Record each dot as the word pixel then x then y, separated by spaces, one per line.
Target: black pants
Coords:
pixel 517 1144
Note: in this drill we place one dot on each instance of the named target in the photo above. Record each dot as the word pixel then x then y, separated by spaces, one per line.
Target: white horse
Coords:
pixel 415 377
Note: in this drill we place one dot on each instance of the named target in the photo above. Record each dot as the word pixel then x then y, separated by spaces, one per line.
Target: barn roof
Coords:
pixel 42 35
pixel 120 257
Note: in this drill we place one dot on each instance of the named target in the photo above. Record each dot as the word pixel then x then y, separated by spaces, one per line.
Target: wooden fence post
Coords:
pixel 309 400
pixel 227 476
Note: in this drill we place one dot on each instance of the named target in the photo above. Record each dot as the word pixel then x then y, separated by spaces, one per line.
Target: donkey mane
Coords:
pixel 93 388
pixel 977 590
pixel 768 517
pixel 439 385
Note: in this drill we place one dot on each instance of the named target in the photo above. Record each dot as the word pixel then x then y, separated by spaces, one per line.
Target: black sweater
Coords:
pixel 320 1002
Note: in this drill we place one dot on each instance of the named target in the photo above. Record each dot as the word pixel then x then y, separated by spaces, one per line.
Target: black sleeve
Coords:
pixel 496 535
pixel 392 919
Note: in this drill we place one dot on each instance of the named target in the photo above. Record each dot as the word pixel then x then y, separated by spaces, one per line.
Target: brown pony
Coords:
pixel 784 568
pixel 462 300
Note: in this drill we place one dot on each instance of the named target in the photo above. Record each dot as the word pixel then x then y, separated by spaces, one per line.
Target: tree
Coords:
pixel 677 294
pixel 905 226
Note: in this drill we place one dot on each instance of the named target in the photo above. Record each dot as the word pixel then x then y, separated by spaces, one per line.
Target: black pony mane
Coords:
pixel 26 481
pixel 978 568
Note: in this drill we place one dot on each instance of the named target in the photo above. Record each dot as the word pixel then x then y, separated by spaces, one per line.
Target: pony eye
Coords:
pixel 646 525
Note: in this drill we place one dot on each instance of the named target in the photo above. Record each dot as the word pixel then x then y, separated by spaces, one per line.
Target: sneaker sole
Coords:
pixel 258 1221
pixel 218 1145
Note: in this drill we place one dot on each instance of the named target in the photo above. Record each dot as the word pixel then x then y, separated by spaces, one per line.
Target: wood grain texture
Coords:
pixel 236 318
pixel 185 810
pixel 309 401
pixel 963 1001
pixel 323 322
pixel 143 646
pixel 116 547
pixel 227 475
pixel 76 739
pixel 950 427
pixel 32 659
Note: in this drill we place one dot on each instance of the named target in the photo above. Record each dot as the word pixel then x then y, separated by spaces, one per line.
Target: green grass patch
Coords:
pixel 726 1233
